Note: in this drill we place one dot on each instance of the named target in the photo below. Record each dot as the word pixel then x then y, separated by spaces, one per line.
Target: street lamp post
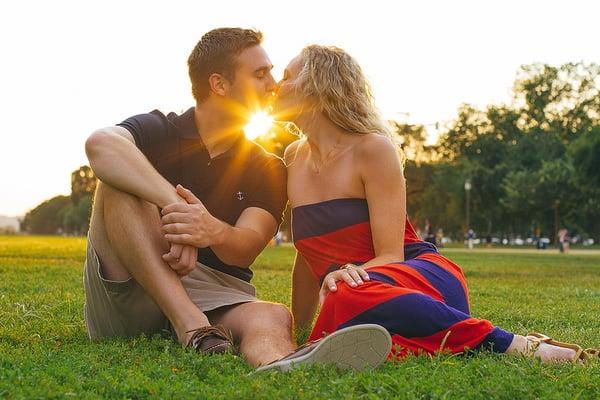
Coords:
pixel 468 216
pixel 468 188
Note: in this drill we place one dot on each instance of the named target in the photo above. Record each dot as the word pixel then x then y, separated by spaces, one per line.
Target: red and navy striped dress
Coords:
pixel 423 301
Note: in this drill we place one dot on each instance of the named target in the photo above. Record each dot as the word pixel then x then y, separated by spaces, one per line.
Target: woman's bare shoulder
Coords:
pixel 375 147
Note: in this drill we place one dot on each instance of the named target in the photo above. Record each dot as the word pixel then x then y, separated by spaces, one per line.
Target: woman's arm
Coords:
pixel 385 190
pixel 305 294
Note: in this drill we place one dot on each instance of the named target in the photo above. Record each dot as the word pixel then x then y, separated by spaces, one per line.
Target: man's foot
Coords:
pixel 357 347
pixel 211 340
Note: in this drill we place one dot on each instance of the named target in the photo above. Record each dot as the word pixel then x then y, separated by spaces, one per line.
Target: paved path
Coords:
pixel 578 252
pixel 512 250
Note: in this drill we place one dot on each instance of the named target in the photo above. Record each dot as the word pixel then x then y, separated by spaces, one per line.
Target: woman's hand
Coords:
pixel 352 274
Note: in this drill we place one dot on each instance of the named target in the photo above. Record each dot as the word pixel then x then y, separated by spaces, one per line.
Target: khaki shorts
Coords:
pixel 123 308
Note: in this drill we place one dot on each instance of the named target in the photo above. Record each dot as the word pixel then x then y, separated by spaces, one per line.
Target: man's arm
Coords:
pixel 192 224
pixel 242 243
pixel 116 160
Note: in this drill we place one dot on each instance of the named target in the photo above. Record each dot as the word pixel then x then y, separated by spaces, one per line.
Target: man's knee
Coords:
pixel 278 315
pixel 266 316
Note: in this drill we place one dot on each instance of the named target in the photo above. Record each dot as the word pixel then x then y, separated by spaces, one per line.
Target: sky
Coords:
pixel 69 68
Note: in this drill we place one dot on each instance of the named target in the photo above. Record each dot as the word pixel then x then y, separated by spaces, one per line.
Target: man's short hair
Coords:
pixel 217 52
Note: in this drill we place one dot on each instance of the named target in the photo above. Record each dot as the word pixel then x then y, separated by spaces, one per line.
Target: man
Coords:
pixel 184 206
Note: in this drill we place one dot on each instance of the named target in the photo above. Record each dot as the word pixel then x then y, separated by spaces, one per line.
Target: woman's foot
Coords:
pixel 550 353
pixel 532 345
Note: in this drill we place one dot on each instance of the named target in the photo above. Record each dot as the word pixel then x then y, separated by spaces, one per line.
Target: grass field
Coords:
pixel 44 351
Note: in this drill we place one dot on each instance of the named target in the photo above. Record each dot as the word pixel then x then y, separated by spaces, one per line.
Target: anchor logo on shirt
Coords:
pixel 239 196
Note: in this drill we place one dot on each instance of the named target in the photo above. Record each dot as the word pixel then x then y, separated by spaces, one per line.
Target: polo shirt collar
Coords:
pixel 186 128
pixel 186 125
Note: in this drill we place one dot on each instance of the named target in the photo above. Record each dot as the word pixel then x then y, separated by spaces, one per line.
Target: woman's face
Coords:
pixel 289 103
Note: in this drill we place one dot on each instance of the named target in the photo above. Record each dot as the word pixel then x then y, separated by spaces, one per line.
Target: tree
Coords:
pixel 564 100
pixel 83 182
pixel 585 153
pixel 76 217
pixel 442 201
pixel 585 156
pixel 532 162
pixel 65 214
pixel 413 140
pixel 47 217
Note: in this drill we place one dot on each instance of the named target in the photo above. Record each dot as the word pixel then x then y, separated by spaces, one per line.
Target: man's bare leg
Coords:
pixel 264 330
pixel 126 235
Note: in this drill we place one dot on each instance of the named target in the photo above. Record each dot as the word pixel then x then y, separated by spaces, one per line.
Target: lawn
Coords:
pixel 44 351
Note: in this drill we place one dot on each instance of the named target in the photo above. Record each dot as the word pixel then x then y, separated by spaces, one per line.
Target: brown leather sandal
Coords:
pixel 534 340
pixel 211 340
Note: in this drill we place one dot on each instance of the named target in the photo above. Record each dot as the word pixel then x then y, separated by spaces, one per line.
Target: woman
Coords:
pixel 356 250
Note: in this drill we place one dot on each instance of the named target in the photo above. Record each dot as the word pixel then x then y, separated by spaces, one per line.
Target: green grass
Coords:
pixel 44 351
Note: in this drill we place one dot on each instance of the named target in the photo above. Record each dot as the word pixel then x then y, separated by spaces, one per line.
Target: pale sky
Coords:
pixel 71 67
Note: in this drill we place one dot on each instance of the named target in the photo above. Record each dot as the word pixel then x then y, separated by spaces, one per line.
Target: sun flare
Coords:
pixel 259 124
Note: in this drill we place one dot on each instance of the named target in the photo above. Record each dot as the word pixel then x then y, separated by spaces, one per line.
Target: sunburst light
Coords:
pixel 259 124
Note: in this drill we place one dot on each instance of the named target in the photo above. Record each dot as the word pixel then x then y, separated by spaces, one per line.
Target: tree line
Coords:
pixel 533 165
pixel 65 214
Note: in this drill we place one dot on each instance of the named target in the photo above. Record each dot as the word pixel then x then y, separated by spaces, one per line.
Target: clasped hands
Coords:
pixel 188 227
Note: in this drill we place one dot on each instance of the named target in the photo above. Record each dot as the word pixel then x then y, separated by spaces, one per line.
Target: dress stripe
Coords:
pixel 410 315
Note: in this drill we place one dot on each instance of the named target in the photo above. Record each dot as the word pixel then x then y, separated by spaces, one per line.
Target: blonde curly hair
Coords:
pixel 334 81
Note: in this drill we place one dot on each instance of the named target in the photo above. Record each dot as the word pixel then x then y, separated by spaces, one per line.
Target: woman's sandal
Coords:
pixel 534 340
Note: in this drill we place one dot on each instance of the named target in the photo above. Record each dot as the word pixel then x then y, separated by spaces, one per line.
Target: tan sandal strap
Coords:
pixel 590 354
pixel 533 343
pixel 539 336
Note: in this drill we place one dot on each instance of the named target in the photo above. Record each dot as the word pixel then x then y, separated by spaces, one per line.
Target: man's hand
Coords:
pixel 181 258
pixel 191 224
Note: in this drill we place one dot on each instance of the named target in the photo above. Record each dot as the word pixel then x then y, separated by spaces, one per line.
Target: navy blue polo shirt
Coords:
pixel 244 176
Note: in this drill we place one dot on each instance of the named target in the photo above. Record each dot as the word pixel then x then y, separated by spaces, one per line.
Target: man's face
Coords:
pixel 253 86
